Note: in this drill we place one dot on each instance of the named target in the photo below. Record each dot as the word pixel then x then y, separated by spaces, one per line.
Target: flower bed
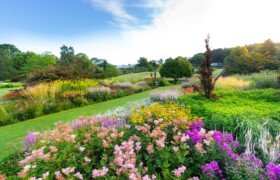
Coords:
pixel 114 148
pixel 47 98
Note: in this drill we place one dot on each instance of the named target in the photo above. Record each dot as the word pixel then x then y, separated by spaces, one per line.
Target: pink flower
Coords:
pixel 79 176
pixel 100 173
pixel 154 177
pixel 178 172
pixel 68 170
pixel 199 148
pixel 81 149
pixel 141 164
pixel 132 176
pixel 53 149
pixel 45 175
pixel 146 177
pixel 105 144
pixel 184 138
pixel 87 159
pixel 206 142
pixel 176 148
pixel 156 122
pixel 150 148
pixel 138 146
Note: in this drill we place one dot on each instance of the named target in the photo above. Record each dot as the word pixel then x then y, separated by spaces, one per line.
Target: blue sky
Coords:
pixel 121 31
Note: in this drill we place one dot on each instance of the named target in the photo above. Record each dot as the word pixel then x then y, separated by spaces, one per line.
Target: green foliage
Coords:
pixel 197 59
pixel 262 80
pixel 80 101
pixel 164 82
pixel 234 106
pixel 4 116
pixel 176 68
pixel 6 65
pixel 143 63
pixel 242 61
pixel 11 85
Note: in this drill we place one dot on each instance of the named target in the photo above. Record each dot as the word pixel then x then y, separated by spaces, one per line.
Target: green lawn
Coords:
pixel 11 136
pixel 133 77
pixel 4 91
pixel 217 72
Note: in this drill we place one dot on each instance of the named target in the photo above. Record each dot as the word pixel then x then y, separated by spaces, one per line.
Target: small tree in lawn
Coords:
pixel 207 79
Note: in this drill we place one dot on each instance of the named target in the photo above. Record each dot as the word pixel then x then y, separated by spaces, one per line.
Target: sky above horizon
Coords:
pixel 121 31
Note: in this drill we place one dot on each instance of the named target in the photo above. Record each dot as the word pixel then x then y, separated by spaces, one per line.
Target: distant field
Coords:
pixel 133 77
pixel 3 91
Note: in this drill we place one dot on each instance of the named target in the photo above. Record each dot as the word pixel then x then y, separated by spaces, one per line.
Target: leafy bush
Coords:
pixel 99 94
pixel 164 82
pixel 79 101
pixel 4 116
pixel 233 107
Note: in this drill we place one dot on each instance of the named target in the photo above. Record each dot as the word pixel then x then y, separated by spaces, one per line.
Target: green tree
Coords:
pixel 143 63
pixel 38 61
pixel 9 47
pixel 67 56
pixel 197 59
pixel 7 70
pixel 219 55
pixel 268 48
pixel 176 68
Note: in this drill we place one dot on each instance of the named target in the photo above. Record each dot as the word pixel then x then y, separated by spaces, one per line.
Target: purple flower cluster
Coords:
pixel 194 136
pixel 226 143
pixel 29 141
pixel 211 168
pixel 193 133
pixel 196 125
pixel 273 171
pixel 79 123
pixel 112 122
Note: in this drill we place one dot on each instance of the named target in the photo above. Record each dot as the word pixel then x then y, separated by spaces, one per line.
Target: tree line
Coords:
pixel 16 65
pixel 244 59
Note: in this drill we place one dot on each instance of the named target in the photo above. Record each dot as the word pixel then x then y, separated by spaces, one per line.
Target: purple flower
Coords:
pixel 29 141
pixel 273 171
pixel 197 125
pixel 112 122
pixel 79 123
pixel 211 168
pixel 194 136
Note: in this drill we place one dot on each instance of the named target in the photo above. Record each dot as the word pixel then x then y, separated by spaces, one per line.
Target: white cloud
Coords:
pixel 116 9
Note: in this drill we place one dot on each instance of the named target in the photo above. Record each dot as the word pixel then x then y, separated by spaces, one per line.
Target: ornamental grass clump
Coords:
pixel 163 96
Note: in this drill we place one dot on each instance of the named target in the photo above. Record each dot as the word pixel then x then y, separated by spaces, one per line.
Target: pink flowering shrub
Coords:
pixel 112 148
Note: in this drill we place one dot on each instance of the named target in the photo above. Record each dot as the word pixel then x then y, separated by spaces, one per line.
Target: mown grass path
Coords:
pixel 11 136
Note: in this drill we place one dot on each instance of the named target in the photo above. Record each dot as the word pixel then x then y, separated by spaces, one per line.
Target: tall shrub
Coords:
pixel 206 77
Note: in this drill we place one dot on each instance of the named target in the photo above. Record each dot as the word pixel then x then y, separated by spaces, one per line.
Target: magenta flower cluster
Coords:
pixel 226 143
pixel 211 168
pixel 273 171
